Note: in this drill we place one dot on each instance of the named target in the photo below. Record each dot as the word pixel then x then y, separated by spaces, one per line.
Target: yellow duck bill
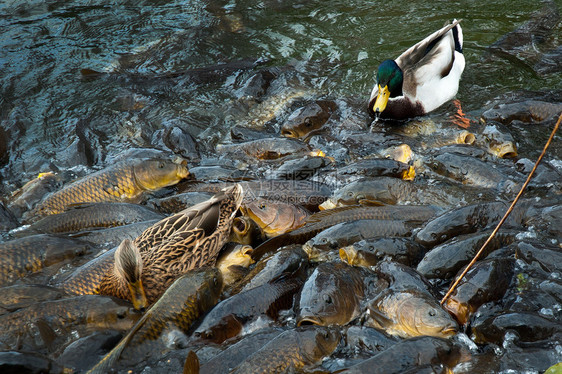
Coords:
pixel 382 99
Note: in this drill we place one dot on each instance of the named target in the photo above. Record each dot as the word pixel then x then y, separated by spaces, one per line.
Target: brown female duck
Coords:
pixel 142 269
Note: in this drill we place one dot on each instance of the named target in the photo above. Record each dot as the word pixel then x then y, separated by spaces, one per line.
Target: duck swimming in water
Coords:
pixel 144 268
pixel 422 78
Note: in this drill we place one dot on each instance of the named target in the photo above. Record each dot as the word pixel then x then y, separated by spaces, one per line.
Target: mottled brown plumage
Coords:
pixel 184 241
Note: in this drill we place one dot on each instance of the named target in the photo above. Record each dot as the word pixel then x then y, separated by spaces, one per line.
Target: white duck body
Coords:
pixel 431 72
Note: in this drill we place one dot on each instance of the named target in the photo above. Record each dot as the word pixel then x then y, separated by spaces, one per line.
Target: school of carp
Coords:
pixel 301 239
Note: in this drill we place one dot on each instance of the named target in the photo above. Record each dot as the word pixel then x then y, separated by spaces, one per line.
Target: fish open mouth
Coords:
pixel 449 330
pixel 307 321
pixel 240 226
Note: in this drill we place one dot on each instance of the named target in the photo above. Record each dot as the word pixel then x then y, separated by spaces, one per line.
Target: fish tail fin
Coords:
pixel 191 365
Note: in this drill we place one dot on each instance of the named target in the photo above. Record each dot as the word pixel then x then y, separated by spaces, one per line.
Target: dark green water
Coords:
pixel 337 44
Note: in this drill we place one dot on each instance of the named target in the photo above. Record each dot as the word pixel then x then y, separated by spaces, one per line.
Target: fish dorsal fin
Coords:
pixel 379 319
pixel 319 216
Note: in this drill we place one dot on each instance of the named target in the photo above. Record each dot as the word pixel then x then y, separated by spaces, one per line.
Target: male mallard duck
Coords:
pixel 142 269
pixel 422 78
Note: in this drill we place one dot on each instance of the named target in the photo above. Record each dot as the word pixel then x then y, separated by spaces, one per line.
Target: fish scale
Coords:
pixel 93 189
pixel 30 254
pixel 291 351
pixel 227 318
pixel 90 311
pixel 123 182
pixel 188 298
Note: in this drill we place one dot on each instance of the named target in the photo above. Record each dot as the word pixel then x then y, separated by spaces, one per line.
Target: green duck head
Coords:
pixel 389 81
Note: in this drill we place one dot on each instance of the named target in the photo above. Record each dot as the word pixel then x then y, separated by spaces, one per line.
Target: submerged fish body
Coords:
pixel 112 236
pixel 486 281
pixel 23 199
pixel 268 148
pixel 228 318
pixel 409 313
pixel 447 259
pixel 306 193
pixel 92 216
pixel 469 219
pixel 376 167
pixel 235 353
pixel 411 215
pixel 123 182
pixel 307 119
pixel 369 252
pixel 528 327
pixel 23 256
pixel 409 354
pixel 20 296
pixel 475 172
pixel 334 292
pixel 189 297
pixel 272 107
pixel 370 191
pixel 292 351
pixel 80 313
pixel 386 190
pixel 347 233
pixel 529 111
pixel 286 260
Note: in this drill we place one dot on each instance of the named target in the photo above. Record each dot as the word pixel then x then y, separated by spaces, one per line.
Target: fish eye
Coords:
pixel 350 194
pixel 327 299
pixel 262 206
pixel 121 314
pixel 432 312
pixel 323 241
pixel 160 165
pixel 307 122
